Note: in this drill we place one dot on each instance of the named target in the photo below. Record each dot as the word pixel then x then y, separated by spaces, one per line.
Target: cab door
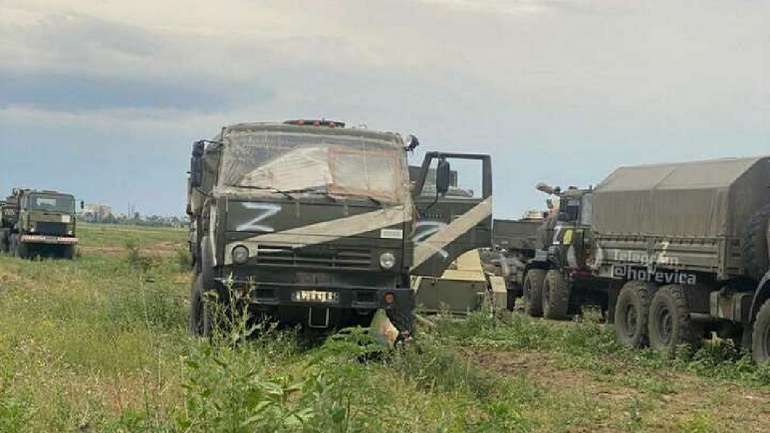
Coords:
pixel 451 222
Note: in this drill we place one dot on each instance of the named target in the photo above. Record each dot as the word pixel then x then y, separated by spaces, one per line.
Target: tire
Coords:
pixel 556 291
pixel 754 246
pixel 201 323
pixel 3 240
pixel 760 336
pixel 20 250
pixel 68 252
pixel 513 290
pixel 631 314
pixel 533 292
pixel 669 323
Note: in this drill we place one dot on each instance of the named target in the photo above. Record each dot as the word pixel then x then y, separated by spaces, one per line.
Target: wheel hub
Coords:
pixel 665 324
pixel 631 320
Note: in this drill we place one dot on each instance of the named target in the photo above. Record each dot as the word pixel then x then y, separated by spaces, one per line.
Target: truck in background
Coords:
pixel 38 223
pixel 672 252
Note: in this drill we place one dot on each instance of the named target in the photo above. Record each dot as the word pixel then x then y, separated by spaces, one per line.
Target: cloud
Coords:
pixel 558 91
pixel 74 92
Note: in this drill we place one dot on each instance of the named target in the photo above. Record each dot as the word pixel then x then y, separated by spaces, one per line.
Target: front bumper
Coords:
pixel 350 297
pixel 48 240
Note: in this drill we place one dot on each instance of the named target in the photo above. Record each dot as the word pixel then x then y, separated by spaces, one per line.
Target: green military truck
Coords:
pixel 541 265
pixel 316 224
pixel 38 223
pixel 680 251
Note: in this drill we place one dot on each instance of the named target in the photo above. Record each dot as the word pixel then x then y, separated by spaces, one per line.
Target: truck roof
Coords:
pixel 309 128
pixel 703 199
pixel 715 173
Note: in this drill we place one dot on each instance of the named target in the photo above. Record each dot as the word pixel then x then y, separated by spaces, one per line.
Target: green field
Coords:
pixel 100 345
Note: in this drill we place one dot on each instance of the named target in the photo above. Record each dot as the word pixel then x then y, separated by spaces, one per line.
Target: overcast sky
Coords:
pixel 103 98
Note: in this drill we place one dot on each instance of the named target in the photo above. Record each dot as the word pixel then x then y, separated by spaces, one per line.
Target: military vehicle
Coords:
pixel 681 251
pixel 464 286
pixel 538 260
pixel 38 223
pixel 316 224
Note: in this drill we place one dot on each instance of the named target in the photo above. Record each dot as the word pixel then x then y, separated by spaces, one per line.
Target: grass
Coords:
pixel 100 345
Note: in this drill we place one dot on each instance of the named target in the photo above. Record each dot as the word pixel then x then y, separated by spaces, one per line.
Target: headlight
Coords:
pixel 240 254
pixel 387 260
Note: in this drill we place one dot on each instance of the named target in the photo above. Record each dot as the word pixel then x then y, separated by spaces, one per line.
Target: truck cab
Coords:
pixel 305 222
pixel 39 223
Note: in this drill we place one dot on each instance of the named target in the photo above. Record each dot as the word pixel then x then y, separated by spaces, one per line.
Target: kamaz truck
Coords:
pixel 311 223
pixel 679 250
pixel 38 223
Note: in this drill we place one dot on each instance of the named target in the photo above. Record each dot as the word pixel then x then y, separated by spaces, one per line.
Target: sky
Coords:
pixel 103 98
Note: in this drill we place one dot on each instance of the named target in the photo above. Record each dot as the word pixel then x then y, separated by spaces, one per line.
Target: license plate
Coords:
pixel 319 296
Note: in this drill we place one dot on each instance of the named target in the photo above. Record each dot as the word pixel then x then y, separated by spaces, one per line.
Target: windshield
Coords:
pixel 58 203
pixel 315 163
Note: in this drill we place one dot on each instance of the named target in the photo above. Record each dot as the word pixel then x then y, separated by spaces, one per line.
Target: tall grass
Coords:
pixel 100 345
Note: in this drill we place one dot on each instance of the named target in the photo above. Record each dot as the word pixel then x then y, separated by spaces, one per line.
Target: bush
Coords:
pixel 135 258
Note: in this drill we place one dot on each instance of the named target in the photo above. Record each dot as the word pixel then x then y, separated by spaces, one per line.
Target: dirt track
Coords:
pixel 640 400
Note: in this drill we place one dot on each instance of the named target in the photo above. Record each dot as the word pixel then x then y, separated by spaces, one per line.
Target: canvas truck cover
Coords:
pixel 705 199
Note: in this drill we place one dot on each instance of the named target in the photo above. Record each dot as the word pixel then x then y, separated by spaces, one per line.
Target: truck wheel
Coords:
pixel 20 250
pixel 669 321
pixel 68 252
pixel 754 247
pixel 512 291
pixel 760 339
pixel 533 292
pixel 3 240
pixel 200 314
pixel 631 313
pixel 556 291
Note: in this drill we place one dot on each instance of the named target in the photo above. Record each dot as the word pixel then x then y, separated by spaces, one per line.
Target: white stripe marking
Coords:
pixel 425 249
pixel 326 231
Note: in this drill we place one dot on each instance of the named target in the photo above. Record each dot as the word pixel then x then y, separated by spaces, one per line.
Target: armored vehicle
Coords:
pixel 38 223
pixel 315 224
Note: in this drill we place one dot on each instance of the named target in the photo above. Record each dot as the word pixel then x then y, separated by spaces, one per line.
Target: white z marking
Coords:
pixel 425 229
pixel 265 211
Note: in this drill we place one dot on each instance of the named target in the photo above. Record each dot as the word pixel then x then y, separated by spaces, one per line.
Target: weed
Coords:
pixel 183 259
pixel 135 258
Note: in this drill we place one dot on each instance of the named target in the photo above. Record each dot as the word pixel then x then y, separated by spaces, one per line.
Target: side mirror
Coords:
pixel 443 174
pixel 411 143
pixel 82 205
pixel 196 164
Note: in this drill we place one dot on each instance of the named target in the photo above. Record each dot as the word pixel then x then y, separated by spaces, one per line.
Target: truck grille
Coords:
pixel 49 228
pixel 318 258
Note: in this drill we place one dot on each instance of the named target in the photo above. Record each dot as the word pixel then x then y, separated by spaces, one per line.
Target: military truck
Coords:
pixel 316 224
pixel 680 249
pixel 464 286
pixel 38 223
pixel 514 245
pixel 537 257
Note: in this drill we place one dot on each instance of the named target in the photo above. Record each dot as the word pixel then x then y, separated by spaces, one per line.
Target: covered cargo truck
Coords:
pixel 674 252
pixel 689 242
